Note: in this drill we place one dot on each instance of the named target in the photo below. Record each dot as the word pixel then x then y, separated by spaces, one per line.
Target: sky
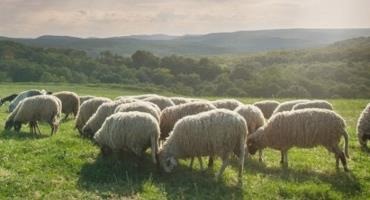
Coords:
pixel 107 18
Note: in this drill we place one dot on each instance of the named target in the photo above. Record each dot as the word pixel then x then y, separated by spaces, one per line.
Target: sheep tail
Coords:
pixel 345 135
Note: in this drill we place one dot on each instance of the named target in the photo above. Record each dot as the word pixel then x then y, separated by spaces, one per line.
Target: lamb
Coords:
pixel 314 104
pixel 171 115
pixel 134 131
pixel 97 119
pixel 180 100
pixel 140 106
pixel 44 108
pixel 29 93
pixel 161 102
pixel 305 128
pixel 87 109
pixel 229 104
pixel 254 118
pixel 85 98
pixel 217 132
pixel 288 105
pixel 267 107
pixel 70 102
pixel 7 98
pixel 363 127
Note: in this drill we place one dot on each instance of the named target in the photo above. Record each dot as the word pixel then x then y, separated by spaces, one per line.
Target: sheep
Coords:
pixel 97 119
pixel 217 132
pixel 85 98
pixel 87 109
pixel 267 107
pixel 288 105
pixel 70 102
pixel 254 118
pixel 134 131
pixel 138 97
pixel 180 100
pixel 161 102
pixel 140 106
pixel 363 127
pixel 7 98
pixel 45 108
pixel 314 104
pixel 305 128
pixel 29 93
pixel 229 104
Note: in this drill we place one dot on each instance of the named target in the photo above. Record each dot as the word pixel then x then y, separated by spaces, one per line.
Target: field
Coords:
pixel 66 166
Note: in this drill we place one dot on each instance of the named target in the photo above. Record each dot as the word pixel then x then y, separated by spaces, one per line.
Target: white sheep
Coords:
pixel 161 102
pixel 29 93
pixel 305 128
pixel 85 98
pixel 288 105
pixel 180 100
pixel 140 106
pixel 133 131
pixel 70 102
pixel 363 127
pixel 254 118
pixel 314 104
pixel 229 104
pixel 218 132
pixel 87 109
pixel 267 107
pixel 45 108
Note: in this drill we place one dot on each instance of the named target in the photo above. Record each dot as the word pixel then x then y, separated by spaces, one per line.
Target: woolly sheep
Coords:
pixel 161 102
pixel 97 119
pixel 313 104
pixel 138 97
pixel 254 118
pixel 7 98
pixel 305 128
pixel 44 108
pixel 140 106
pixel 29 93
pixel 363 127
pixel 218 132
pixel 87 109
pixel 229 104
pixel 267 107
pixel 180 100
pixel 288 105
pixel 171 115
pixel 85 98
pixel 135 131
pixel 70 102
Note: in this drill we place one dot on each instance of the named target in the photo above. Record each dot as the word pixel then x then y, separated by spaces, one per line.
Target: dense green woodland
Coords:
pixel 338 70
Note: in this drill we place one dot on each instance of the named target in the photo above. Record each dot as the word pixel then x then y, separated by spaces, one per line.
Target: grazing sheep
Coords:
pixel 229 104
pixel 134 131
pixel 85 98
pixel 363 127
pixel 140 106
pixel 180 100
pixel 288 105
pixel 254 118
pixel 138 97
pixel 218 132
pixel 161 102
pixel 44 108
pixel 313 104
pixel 7 98
pixel 267 107
pixel 70 102
pixel 171 115
pixel 29 93
pixel 97 119
pixel 305 128
pixel 87 109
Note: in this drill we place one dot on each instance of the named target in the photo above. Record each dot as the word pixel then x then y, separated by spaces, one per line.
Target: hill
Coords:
pixel 203 45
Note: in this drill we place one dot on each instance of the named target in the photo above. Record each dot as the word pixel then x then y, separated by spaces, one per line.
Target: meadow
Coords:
pixel 66 166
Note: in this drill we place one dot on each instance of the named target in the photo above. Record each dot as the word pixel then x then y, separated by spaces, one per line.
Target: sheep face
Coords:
pixel 87 132
pixel 168 163
pixel 9 124
pixel 253 143
pixel 17 126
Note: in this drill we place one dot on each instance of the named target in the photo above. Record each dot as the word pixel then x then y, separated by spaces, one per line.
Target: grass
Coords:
pixel 65 166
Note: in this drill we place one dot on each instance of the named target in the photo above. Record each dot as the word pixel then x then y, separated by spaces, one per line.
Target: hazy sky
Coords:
pixel 103 18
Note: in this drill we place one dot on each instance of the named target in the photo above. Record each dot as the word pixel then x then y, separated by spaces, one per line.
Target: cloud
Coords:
pixel 25 18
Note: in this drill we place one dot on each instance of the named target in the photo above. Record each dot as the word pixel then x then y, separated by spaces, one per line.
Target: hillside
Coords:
pixel 203 45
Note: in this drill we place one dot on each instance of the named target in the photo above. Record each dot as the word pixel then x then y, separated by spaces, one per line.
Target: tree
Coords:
pixel 144 59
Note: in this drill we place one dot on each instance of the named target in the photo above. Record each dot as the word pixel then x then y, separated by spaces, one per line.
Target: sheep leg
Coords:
pixel 31 128
pixel 66 116
pixel 191 162
pixel 344 161
pixel 339 155
pixel 38 128
pixel 210 162
pixel 284 158
pixel 200 163
pixel 225 162
pixel 260 155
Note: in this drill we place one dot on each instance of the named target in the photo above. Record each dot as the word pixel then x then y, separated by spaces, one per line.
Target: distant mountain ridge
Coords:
pixel 202 45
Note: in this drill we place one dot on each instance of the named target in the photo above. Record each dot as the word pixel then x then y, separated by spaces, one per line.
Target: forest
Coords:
pixel 339 70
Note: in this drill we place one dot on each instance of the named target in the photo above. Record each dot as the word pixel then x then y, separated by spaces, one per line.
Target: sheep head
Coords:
pixel 167 162
pixel 254 142
pixel 9 124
